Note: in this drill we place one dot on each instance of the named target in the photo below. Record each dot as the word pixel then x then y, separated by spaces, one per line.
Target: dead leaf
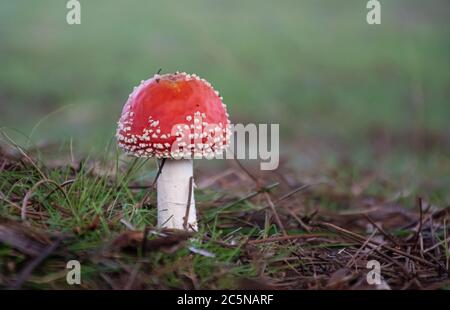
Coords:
pixel 132 240
pixel 340 278
pixel 22 238
pixel 128 239
pixel 95 222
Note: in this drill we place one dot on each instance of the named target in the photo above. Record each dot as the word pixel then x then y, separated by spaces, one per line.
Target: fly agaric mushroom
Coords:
pixel 174 117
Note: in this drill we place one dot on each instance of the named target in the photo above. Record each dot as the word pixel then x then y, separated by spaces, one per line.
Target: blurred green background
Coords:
pixel 315 67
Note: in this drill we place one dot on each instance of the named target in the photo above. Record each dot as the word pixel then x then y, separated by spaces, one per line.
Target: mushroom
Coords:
pixel 176 118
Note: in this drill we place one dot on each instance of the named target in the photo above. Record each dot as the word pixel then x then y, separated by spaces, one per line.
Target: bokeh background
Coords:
pixel 338 87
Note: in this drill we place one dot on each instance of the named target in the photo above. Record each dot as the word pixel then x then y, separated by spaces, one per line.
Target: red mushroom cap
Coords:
pixel 173 116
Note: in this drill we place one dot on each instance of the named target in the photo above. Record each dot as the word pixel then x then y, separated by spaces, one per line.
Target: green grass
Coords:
pixel 314 67
pixel 92 197
pixel 89 194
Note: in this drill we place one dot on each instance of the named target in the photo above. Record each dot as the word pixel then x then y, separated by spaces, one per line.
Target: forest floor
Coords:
pixel 257 231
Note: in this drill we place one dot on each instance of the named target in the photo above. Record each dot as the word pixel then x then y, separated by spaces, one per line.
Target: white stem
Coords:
pixel 173 195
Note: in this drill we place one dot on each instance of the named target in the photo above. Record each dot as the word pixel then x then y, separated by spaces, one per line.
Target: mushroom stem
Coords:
pixel 174 192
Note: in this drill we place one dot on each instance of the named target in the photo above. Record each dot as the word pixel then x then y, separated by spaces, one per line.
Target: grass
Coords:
pixel 311 66
pixel 100 212
pixel 87 197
